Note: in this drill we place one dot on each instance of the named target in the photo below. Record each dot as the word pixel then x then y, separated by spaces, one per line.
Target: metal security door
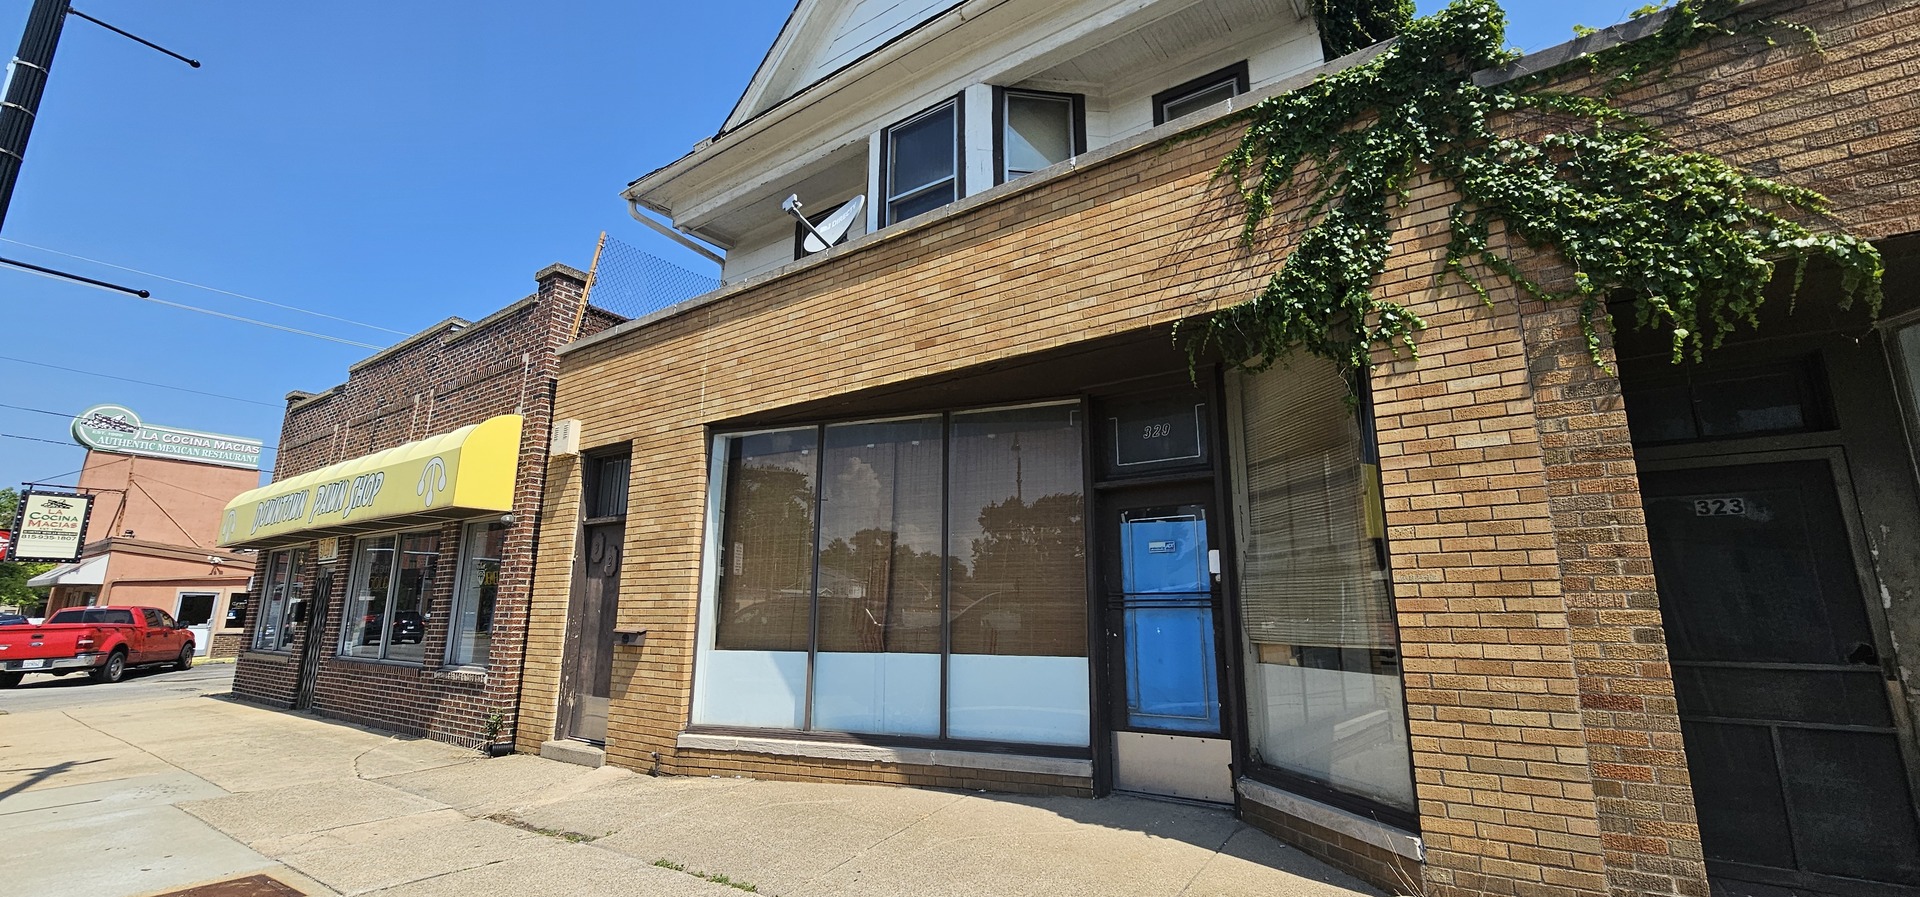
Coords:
pixel 1792 744
pixel 1164 672
pixel 315 637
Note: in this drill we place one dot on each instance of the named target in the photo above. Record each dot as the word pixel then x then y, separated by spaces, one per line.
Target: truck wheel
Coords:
pixel 112 671
pixel 9 680
pixel 186 658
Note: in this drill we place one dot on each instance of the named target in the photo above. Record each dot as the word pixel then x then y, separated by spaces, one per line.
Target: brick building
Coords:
pixel 944 506
pixel 150 538
pixel 396 540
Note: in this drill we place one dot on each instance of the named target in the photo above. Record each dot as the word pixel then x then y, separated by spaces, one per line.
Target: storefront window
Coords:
pixel 471 638
pixel 237 604
pixel 862 599
pixel 274 633
pixel 878 669
pixel 766 550
pixel 1323 665
pixel 1017 536
pixel 387 602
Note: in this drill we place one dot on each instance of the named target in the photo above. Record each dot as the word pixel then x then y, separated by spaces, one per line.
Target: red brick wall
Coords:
pixel 449 378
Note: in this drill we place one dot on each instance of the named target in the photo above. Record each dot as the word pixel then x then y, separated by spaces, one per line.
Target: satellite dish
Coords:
pixel 825 234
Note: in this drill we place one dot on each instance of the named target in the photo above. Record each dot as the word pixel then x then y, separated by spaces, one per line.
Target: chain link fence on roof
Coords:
pixel 634 283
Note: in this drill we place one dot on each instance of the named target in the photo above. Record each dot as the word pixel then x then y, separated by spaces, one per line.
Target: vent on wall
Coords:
pixel 566 438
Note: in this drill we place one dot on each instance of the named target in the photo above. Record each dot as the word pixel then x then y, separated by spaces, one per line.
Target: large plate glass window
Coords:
pixel 387 597
pixel 923 162
pixel 1038 130
pixel 275 631
pixel 852 561
pixel 1323 665
pixel 471 639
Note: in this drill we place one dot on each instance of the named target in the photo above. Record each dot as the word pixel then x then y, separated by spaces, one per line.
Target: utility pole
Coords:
pixel 26 81
pixel 20 104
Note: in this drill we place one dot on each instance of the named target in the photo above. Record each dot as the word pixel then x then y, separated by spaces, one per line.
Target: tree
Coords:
pixel 14 575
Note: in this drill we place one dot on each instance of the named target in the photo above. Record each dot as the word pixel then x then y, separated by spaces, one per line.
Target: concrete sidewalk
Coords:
pixel 140 798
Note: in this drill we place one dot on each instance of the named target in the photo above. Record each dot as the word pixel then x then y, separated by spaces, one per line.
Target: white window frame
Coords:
pixel 456 608
pixel 278 645
pixel 957 178
pixel 341 646
pixel 1003 119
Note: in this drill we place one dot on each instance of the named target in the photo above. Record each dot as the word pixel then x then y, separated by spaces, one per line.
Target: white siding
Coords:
pixel 772 246
pixel 867 24
pixel 1129 110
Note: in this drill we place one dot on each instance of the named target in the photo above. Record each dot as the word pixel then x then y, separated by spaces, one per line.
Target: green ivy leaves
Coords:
pixel 1691 239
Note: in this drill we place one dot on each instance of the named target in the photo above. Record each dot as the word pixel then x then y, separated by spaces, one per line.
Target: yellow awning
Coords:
pixel 468 471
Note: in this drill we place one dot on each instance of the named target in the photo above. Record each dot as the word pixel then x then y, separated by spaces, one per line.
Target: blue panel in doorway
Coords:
pixel 1171 682
pixel 1172 678
pixel 1166 556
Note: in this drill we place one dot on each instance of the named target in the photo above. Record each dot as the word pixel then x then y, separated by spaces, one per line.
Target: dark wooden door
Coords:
pixel 1792 745
pixel 596 602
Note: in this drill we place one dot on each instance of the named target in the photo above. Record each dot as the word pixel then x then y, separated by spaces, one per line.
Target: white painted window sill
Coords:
pixel 1353 825
pixel 832 750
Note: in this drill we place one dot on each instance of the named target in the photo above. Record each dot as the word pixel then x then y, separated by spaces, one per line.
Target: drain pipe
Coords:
pixel 633 208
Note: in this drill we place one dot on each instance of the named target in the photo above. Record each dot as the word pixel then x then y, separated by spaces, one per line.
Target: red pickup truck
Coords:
pixel 104 641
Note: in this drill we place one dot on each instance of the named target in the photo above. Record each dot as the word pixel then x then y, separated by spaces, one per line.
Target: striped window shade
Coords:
pixel 1310 563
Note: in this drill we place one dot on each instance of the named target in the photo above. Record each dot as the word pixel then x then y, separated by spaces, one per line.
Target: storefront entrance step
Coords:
pixel 576 752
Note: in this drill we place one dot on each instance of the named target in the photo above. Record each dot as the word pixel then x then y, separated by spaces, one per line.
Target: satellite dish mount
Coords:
pixel 829 231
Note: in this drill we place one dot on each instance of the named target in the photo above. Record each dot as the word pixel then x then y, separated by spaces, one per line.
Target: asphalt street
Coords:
pixel 40 691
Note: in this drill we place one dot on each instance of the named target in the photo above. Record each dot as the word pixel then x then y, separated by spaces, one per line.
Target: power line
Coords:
pixel 218 314
pixel 196 392
pixel 48 441
pixel 202 286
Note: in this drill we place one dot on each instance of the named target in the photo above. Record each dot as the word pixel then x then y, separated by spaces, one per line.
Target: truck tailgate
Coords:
pixel 28 647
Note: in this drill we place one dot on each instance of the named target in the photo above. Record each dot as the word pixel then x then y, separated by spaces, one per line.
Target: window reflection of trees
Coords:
pixel 766 559
pixel 1027 590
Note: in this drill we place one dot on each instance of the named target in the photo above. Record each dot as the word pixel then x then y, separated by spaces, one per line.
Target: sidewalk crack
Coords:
pixel 876 845
pixel 1217 850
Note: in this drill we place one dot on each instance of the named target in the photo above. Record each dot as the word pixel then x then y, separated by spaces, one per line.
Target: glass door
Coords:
pixel 1161 591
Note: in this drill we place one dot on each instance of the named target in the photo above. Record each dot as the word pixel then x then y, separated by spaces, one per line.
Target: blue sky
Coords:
pixel 390 163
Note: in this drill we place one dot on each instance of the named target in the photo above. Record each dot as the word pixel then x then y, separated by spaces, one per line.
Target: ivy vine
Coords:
pixel 1349 25
pixel 1692 240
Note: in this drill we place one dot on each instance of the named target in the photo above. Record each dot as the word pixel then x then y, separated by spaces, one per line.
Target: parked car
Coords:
pixel 13 620
pixel 408 626
pixel 102 641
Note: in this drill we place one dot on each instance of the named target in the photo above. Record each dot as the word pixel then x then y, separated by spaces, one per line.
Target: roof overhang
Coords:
pixel 466 472
pixel 89 572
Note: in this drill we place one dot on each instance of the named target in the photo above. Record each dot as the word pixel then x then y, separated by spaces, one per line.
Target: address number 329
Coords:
pixel 1719 507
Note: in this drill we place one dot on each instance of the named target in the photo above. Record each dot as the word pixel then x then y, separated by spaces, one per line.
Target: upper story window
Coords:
pixel 1200 93
pixel 922 165
pixel 1037 130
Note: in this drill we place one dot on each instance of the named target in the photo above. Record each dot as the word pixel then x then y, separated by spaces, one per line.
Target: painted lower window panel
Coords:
pixel 877 694
pixel 1031 700
pixel 753 689
pixel 832 537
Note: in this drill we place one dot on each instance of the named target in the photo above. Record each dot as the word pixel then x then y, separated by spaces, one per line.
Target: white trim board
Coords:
pixel 1357 827
pixel 869 753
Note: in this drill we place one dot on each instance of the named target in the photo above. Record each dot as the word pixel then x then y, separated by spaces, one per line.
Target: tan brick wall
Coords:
pixel 1545 737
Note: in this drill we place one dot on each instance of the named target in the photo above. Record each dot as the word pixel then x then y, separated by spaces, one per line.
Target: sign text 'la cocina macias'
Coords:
pixel 340 497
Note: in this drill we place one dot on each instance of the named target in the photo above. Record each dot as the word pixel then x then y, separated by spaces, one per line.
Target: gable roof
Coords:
pixel 821 37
